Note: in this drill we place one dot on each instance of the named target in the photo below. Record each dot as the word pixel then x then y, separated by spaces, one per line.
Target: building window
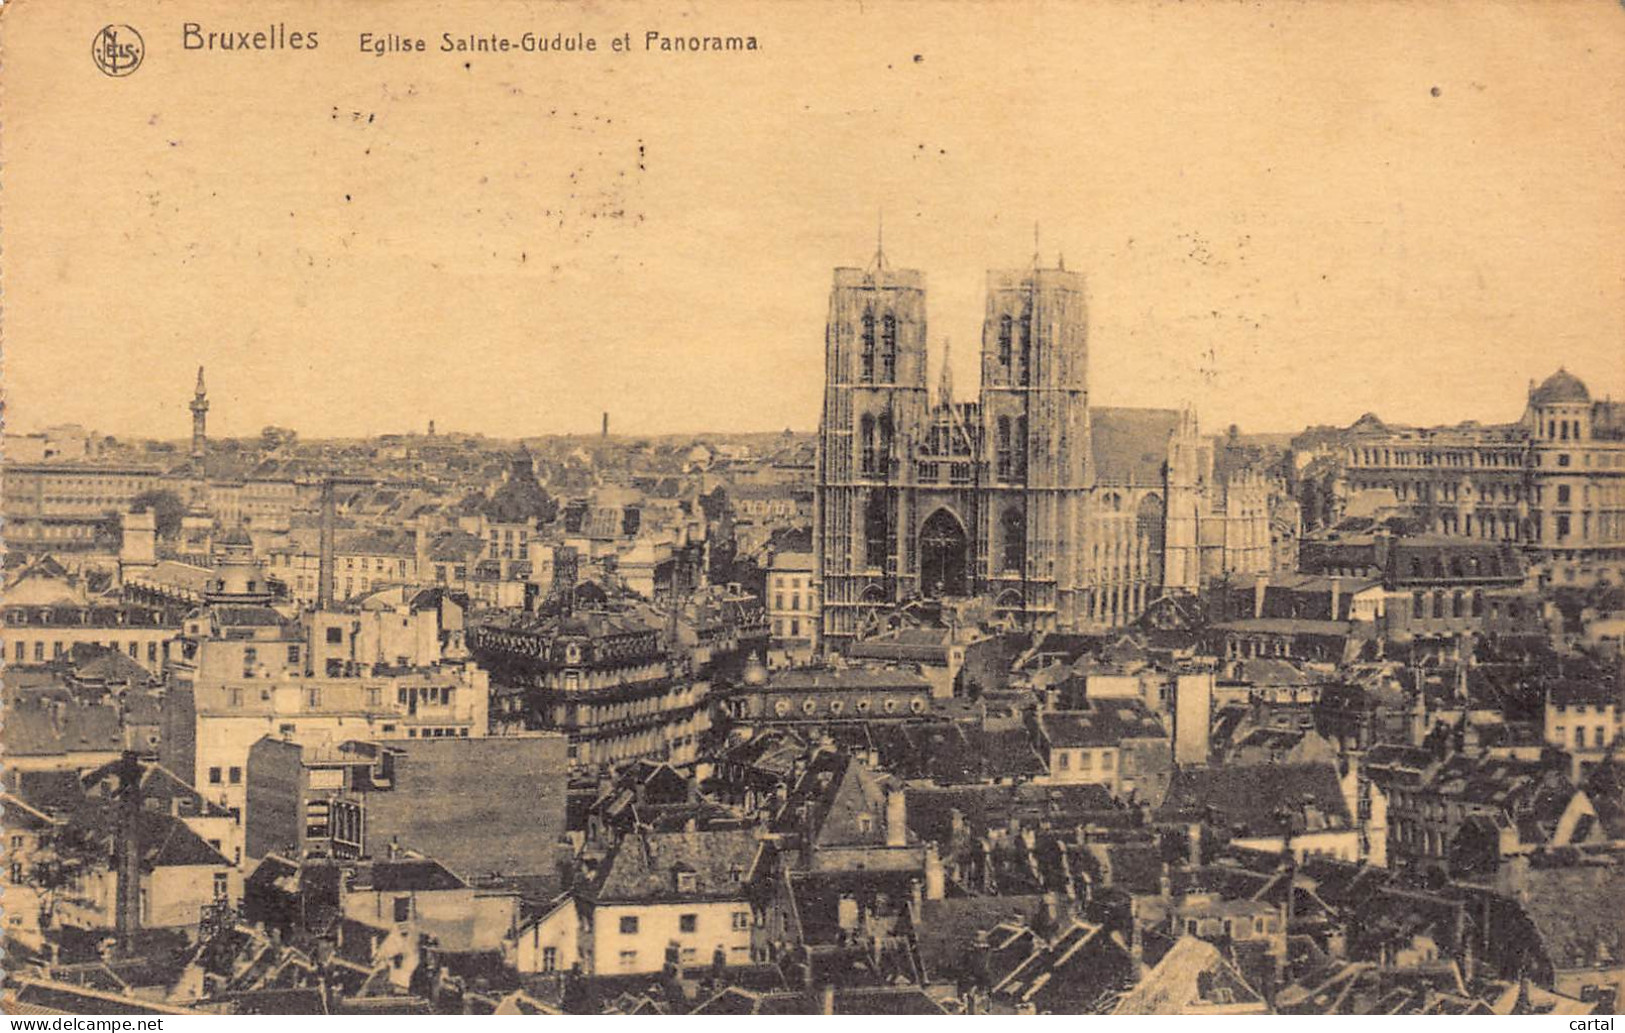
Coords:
pixel 293 654
pixel 221 887
pixel 550 959
pixel 876 532
pixel 1005 465
pixel 688 923
pixel 235 776
pixel 403 909
pixel 335 636
pixel 741 921
pixel 214 776
pixel 868 372
pixel 868 462
pixel 1015 540
pixel 1026 350
pixel 1006 328
pixel 629 925
pixel 888 349
pixel 686 882
pixel 629 960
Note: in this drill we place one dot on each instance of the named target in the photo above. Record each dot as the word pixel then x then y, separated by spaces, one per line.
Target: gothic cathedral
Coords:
pixel 1062 516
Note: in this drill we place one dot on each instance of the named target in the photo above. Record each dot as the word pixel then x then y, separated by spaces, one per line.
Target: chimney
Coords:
pixel 604 432
pixel 1193 843
pixel 1136 949
pixel 896 818
pixel 936 880
pixel 324 577
pixel 127 854
pixel 1260 587
pixel 1337 593
pixel 982 953
pixel 1515 878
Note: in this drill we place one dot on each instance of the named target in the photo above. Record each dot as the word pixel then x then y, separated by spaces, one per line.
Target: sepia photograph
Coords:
pixel 847 507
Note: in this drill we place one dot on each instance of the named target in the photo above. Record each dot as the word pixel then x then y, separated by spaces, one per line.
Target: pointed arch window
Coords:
pixel 868 331
pixel 1020 448
pixel 868 464
pixel 1006 465
pixel 883 458
pixel 888 349
pixel 1026 350
pixel 1014 526
pixel 876 532
pixel 1006 330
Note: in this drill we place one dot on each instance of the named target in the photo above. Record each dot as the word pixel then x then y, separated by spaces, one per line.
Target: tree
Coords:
pixel 67 855
pixel 166 505
pixel 273 438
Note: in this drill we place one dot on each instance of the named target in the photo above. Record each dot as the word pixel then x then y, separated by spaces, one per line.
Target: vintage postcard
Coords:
pixel 845 507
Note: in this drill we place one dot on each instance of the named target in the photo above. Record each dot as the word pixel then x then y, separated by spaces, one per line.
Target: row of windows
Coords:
pixel 887 350
pixel 739 920
pixel 21 651
pixel 1084 759
pixel 1014 336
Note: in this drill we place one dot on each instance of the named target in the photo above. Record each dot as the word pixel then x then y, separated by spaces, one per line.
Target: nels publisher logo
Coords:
pixel 117 50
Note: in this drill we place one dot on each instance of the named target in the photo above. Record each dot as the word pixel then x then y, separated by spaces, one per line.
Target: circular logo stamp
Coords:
pixel 117 50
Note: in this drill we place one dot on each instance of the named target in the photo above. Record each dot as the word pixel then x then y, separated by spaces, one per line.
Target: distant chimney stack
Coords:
pixel 324 577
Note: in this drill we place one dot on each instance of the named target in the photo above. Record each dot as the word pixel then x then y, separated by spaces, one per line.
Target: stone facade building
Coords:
pixel 1553 481
pixel 1060 514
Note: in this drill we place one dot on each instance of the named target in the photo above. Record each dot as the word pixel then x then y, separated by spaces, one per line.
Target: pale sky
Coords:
pixel 1288 214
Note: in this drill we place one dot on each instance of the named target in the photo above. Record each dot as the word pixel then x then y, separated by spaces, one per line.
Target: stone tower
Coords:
pixel 875 402
pixel 1035 422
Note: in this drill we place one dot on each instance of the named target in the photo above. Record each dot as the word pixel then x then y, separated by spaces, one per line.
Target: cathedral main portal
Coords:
pixel 944 556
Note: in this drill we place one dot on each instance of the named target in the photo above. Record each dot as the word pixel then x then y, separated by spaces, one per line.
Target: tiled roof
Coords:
pixel 1253 799
pixel 1106 722
pixel 1190 975
pixel 856 678
pixel 1130 446
pixel 50 730
pixel 647 867
pixel 419 874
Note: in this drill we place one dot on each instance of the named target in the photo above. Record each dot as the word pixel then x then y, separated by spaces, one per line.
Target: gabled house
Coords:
pixel 687 891
pixel 1193 978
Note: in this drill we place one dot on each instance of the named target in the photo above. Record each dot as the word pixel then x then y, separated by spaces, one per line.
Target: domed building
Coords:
pixel 1560 408
pixel 1552 483
pixel 239 579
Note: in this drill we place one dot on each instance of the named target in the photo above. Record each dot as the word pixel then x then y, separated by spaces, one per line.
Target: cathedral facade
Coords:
pixel 1063 516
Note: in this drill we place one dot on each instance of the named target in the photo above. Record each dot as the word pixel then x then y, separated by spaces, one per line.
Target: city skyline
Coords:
pixel 1322 229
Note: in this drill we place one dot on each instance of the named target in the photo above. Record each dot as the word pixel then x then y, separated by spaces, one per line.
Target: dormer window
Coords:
pixel 866 823
pixel 687 881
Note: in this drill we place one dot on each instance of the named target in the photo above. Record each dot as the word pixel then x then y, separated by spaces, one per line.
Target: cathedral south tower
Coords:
pixel 1035 421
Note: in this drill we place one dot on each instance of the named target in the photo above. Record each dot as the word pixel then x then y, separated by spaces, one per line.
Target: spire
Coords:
pixel 1035 244
pixel 945 382
pixel 200 391
pixel 880 240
